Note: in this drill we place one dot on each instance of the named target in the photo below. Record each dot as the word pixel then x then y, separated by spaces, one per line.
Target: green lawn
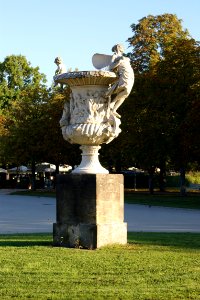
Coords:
pixel 37 193
pixel 152 266
pixel 169 199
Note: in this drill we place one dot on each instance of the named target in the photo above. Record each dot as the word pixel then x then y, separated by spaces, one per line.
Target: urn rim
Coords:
pixel 78 78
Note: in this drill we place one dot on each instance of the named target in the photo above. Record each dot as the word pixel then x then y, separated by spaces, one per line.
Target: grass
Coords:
pixel 37 193
pixel 170 199
pixel 152 266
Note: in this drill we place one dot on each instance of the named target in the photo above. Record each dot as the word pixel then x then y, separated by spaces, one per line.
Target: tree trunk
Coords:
pixel 57 172
pixel 57 168
pixel 118 166
pixel 151 180
pixel 33 169
pixel 182 182
pixel 162 177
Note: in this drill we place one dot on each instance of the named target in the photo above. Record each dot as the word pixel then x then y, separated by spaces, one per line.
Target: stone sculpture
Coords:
pixel 89 117
pixel 90 202
pixel 119 64
pixel 60 66
pixel 122 88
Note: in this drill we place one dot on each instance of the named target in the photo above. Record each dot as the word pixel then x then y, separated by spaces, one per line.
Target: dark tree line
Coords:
pixel 161 117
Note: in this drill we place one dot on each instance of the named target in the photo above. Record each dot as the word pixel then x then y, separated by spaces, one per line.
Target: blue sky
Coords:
pixel 75 30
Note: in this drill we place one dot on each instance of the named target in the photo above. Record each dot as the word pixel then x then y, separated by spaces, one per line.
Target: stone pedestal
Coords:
pixel 90 211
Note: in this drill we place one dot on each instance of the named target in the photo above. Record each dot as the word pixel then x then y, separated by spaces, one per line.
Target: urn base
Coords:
pixel 90 161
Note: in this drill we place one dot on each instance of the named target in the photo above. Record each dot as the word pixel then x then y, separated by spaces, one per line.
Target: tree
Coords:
pixel 180 86
pixel 26 130
pixel 152 36
pixel 34 134
pixel 16 75
pixel 29 120
pixel 151 131
pixel 58 151
pixel 22 90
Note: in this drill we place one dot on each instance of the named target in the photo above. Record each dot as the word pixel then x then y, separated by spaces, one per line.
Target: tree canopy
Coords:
pixel 152 36
pixel 29 117
pixel 17 75
pixel 158 114
pixel 158 131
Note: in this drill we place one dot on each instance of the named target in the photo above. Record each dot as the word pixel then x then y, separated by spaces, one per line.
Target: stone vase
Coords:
pixel 87 118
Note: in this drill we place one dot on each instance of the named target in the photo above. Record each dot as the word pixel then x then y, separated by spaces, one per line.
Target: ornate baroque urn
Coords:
pixel 87 117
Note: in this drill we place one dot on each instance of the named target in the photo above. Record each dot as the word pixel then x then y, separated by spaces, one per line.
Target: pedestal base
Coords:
pixel 89 236
pixel 90 211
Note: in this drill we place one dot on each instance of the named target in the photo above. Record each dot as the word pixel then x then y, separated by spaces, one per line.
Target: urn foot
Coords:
pixel 90 161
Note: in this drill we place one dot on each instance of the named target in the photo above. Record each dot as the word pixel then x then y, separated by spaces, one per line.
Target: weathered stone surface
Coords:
pixel 87 118
pixel 90 210
pixel 90 236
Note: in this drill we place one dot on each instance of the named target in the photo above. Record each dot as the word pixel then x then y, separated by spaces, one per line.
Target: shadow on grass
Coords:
pixel 25 240
pixel 37 193
pixel 178 240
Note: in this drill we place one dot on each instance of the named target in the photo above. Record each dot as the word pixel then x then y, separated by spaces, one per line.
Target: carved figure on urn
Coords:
pixel 60 66
pixel 118 63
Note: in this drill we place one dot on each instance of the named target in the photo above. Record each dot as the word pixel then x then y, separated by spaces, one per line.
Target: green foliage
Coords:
pixel 17 74
pixel 61 151
pixel 178 84
pixel 22 95
pixel 29 117
pixel 153 35
pixel 173 181
pixel 151 266
pixel 193 177
pixel 158 126
pixel 26 126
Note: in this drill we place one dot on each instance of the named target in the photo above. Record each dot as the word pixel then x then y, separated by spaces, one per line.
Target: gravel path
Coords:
pixel 27 214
